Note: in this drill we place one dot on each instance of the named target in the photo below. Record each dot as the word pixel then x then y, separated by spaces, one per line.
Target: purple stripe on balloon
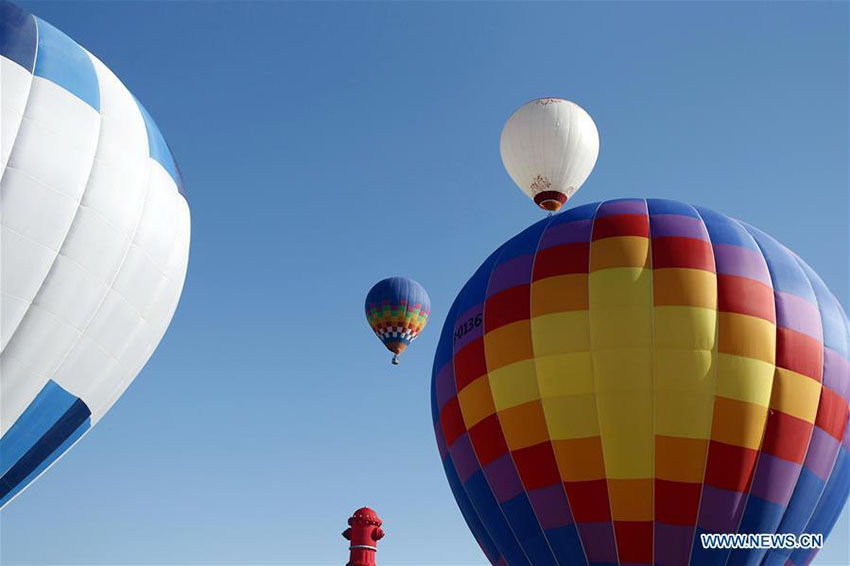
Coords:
pixel 735 260
pixel 845 444
pixel 445 385
pixel 676 225
pixel 775 479
pixel 566 233
pixel 465 325
pixel 836 373
pixel 441 440
pixel 551 507
pixel 798 314
pixel 515 271
pixel 673 543
pixel 464 458
pixel 503 478
pixel 720 509
pixel 598 542
pixel 823 449
pixel 625 206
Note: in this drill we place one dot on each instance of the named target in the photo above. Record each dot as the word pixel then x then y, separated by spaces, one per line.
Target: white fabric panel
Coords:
pixel 14 91
pixel 143 287
pixel 98 235
pixel 42 185
pixel 149 277
pixel 40 190
pixel 101 239
pixel 145 341
pixel 552 139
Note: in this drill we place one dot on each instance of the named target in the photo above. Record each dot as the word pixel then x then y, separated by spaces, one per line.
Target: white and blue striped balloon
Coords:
pixel 94 243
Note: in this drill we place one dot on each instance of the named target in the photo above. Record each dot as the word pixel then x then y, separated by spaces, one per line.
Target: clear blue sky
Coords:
pixel 325 146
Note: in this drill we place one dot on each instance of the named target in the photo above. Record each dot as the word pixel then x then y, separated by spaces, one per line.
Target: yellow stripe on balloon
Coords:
pixel 476 402
pixel 744 379
pixel 560 333
pixel 510 384
pixel 622 251
pixel 620 286
pixel 572 417
pixel 562 375
pixel 795 394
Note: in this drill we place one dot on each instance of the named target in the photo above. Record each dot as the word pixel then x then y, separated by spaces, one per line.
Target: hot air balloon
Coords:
pixel 549 147
pixel 397 309
pixel 94 242
pixel 619 379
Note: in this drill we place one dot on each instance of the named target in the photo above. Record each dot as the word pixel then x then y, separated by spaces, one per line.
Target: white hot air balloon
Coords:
pixel 549 147
pixel 94 243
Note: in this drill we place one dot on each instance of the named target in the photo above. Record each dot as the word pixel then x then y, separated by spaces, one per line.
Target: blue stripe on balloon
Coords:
pixel 18 35
pixel 760 516
pixel 806 494
pixel 41 434
pixel 159 149
pixel 701 556
pixel 472 520
pixel 724 230
pixel 62 61
pixel 491 516
pixel 42 413
pixel 830 505
pixel 658 206
pixel 527 529
pixel 785 272
pixel 52 457
pixel 566 544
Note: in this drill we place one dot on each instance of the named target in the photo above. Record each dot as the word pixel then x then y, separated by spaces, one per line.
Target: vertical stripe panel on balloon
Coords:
pixel 831 502
pixel 830 421
pixel 46 176
pixel 562 358
pixel 684 371
pixel 560 343
pixel 746 343
pixel 620 301
pixel 794 397
pixel 443 379
pixel 528 463
pixel 470 421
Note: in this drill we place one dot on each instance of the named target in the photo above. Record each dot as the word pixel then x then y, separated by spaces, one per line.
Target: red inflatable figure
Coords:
pixel 364 533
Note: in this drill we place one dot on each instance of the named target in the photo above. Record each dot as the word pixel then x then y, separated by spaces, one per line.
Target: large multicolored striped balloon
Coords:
pixel 397 309
pixel 94 233
pixel 620 378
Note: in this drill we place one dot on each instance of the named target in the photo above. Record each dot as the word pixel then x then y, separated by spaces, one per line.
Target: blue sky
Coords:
pixel 325 146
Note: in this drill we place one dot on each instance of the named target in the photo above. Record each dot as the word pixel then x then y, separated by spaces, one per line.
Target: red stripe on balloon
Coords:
pixel 621 225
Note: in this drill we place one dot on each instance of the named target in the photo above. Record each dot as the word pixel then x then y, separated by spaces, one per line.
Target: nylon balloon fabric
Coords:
pixel 397 309
pixel 620 378
pixel 95 243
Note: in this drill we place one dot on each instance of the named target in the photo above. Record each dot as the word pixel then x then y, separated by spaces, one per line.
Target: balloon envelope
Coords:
pixel 549 147
pixel 397 309
pixel 95 243
pixel 622 377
